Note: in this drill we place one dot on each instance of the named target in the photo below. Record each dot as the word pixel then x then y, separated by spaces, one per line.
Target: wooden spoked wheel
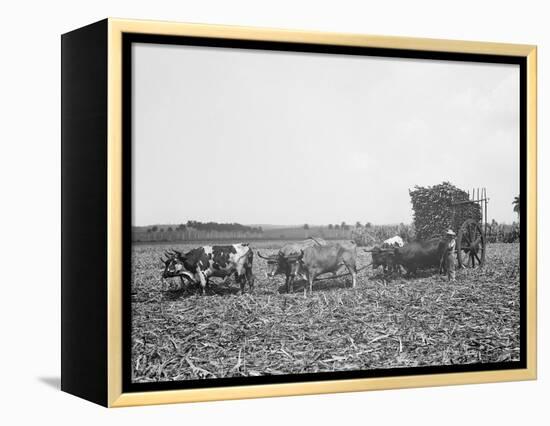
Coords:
pixel 470 245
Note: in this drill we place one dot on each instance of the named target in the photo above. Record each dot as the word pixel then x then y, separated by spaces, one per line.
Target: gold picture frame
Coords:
pixel 113 30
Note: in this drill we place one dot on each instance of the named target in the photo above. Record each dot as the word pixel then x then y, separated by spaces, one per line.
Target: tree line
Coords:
pixel 343 226
pixel 207 226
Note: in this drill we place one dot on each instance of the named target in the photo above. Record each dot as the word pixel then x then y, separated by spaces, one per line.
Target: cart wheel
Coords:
pixel 470 245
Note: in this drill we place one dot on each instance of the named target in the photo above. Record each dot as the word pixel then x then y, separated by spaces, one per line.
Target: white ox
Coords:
pixel 396 241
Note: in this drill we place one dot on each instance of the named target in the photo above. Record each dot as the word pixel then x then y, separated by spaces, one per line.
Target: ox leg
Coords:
pixel 239 276
pixel 309 285
pixel 442 265
pixel 353 271
pixel 203 282
pixel 290 283
pixel 250 278
pixel 242 282
pixel 287 283
pixel 292 279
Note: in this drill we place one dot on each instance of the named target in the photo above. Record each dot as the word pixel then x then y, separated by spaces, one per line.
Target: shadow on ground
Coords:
pixel 191 290
pixel 325 285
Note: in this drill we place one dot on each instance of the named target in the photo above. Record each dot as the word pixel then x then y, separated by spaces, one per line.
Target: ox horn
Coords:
pixel 273 257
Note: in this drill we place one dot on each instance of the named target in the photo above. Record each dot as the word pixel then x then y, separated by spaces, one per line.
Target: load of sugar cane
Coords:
pixel 439 208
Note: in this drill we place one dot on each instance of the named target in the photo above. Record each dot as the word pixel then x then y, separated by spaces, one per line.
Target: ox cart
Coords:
pixel 472 234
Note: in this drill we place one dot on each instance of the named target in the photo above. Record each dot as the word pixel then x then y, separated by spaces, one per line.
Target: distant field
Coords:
pixel 140 236
pixel 382 323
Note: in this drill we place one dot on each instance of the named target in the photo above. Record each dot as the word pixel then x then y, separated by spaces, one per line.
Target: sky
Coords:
pixel 264 137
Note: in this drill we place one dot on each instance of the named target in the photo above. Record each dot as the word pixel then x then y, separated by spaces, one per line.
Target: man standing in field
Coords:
pixel 448 257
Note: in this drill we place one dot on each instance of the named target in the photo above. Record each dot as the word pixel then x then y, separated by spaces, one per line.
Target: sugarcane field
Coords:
pixel 386 321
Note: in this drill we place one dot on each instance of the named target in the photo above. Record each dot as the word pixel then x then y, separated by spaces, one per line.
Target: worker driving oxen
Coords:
pixel 447 262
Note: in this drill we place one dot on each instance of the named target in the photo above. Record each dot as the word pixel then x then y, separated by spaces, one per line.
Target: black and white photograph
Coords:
pixel 299 213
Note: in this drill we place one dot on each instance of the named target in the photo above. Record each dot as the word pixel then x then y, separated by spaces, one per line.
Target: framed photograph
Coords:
pixel 254 212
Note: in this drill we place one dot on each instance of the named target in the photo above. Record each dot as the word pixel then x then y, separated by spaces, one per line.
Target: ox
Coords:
pixel 384 257
pixel 319 259
pixel 280 263
pixel 421 254
pixel 201 263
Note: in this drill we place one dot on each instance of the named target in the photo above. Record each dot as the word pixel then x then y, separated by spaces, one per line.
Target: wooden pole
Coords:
pixel 485 212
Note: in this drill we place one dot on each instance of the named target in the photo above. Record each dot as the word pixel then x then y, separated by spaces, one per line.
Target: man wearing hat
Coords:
pixel 448 258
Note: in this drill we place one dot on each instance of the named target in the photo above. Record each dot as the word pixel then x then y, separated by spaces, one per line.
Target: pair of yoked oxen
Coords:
pixel 308 259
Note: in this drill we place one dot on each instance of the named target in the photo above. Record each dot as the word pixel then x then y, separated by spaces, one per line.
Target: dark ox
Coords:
pixel 384 257
pixel 316 260
pixel 199 264
pixel 421 255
